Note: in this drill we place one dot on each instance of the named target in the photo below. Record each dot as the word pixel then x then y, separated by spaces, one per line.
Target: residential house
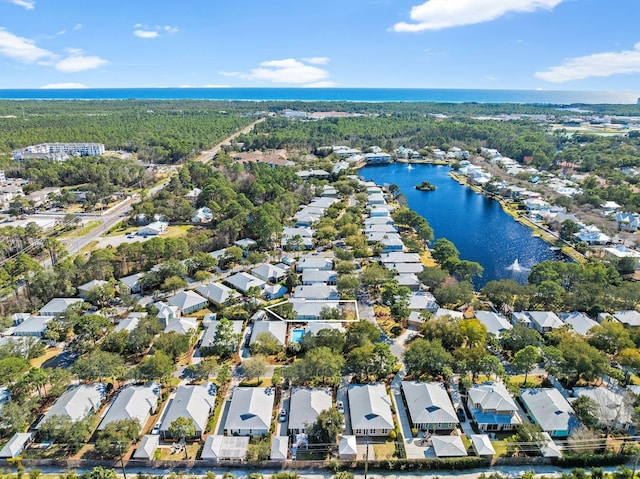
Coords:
pixel 147 448
pixel 304 407
pixel 133 402
pixel 34 326
pixel 495 323
pixel 202 215
pixel 614 411
pixel 314 327
pixel 378 220
pixel 250 412
pixel 314 262
pixel 550 410
pixel 492 408
pixel 269 273
pixel 57 306
pixel 16 445
pixel 279 448
pixel 448 446
pixel 348 448
pixel 192 402
pixel 181 325
pixel 220 448
pixel 85 289
pixel 481 444
pixel 592 235
pixel 628 221
pixel 274 291
pixel 399 257
pixel 316 276
pixel 217 293
pixel 311 310
pixel 166 313
pixel 77 402
pixel 617 253
pixel 409 280
pixel 188 302
pixel 277 329
pixel 422 301
pixel 405 268
pixel 429 406
pixel 130 284
pixel 370 410
pixel 544 321
pixel 579 322
pixel 318 291
pixel 209 335
pixel 154 229
pixel 130 322
pixel 243 281
pixel 192 195
pixel 246 244
pixel 630 318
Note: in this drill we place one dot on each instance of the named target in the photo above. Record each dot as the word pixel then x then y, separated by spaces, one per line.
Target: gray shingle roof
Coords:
pixel 250 409
pixel 193 402
pixel 77 402
pixel 306 404
pixel 369 407
pixel 428 403
pixel 132 402
pixel 549 409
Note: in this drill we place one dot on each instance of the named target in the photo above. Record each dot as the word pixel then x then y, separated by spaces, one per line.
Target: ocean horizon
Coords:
pixel 370 95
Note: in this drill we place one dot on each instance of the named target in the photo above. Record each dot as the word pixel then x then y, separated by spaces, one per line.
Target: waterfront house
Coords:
pixel 226 449
pixel 305 406
pixel 592 235
pixel 429 406
pixel 133 402
pixel 250 412
pixel 192 402
pixel 492 408
pixel 77 402
pixel 550 410
pixel 370 410
pixel 188 302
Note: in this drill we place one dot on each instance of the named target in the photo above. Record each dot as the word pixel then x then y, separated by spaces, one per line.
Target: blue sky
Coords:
pixel 515 44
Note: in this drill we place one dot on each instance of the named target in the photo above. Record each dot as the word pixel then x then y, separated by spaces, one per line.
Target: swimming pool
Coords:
pixel 296 335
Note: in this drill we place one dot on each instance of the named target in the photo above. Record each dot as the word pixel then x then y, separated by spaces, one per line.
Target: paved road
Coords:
pixel 208 155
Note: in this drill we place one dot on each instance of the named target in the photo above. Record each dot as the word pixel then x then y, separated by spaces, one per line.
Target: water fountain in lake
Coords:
pixel 515 267
pixel 409 166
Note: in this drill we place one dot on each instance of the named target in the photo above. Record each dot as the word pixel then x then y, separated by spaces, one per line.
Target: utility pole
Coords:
pixel 124 472
pixel 366 459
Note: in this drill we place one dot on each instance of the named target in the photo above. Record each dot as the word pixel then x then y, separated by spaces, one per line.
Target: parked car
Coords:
pixel 461 415
pixel 340 407
pixel 282 416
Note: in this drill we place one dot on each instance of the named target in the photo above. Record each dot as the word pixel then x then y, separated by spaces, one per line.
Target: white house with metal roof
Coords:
pixel 494 322
pixel 181 325
pixel 482 445
pixel 154 229
pixel 628 318
pixel 316 276
pixel 220 448
pixel 370 410
pixel 429 406
pixel 311 310
pixel 492 407
pixel 217 293
pixel 579 322
pixel 58 306
pixel 544 321
pixel 305 405
pixel 422 301
pixel 188 302
pixel 133 402
pixel 192 402
pixel 250 412
pixel 77 402
pixel 269 273
pixel 314 327
pixel 243 281
pixel 130 284
pixel 34 326
pixel 348 448
pixel 550 410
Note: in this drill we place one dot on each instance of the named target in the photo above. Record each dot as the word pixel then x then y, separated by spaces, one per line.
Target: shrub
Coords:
pixel 414 432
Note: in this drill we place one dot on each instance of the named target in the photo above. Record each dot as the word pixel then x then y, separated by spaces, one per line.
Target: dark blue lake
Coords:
pixel 478 226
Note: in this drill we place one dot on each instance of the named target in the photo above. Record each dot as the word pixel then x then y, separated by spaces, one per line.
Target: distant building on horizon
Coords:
pixel 58 151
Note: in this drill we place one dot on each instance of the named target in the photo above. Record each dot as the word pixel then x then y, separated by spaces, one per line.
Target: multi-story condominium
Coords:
pixel 58 151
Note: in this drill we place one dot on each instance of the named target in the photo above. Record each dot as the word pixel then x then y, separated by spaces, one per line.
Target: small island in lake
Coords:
pixel 425 186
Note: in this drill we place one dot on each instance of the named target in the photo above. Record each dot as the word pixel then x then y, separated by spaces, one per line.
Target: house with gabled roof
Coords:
pixel 130 284
pixel 277 329
pixel 57 306
pixel 192 402
pixel 311 310
pixel 550 410
pixel 448 446
pixel 579 322
pixel 314 262
pixel 410 280
pixel 422 301
pixel 495 323
pixel 304 407
pixel 220 448
pixel 34 326
pixel 630 318
pixel 166 312
pixel 133 402
pixel 492 408
pixel 315 276
pixel 16 445
pixel 181 325
pixel 429 406
pixel 399 257
pixel 217 293
pixel 77 402
pixel 209 335
pixel 269 273
pixel 317 291
pixel 250 412
pixel 544 321
pixel 243 281
pixel 188 302
pixel 370 410
pixel 86 288
pixel 613 410
pixel 147 448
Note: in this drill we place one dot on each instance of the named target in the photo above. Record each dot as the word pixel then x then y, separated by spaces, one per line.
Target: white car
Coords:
pixel 340 407
pixel 282 416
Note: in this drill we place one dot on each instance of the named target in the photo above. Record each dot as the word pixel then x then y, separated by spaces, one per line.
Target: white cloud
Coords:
pixel 145 31
pixel 229 74
pixel 317 60
pixel 439 14
pixel 61 32
pixel 321 84
pixel 146 34
pixel 61 86
pixel 77 26
pixel 28 4
pixel 22 49
pixel 596 65
pixel 77 62
pixel 288 70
